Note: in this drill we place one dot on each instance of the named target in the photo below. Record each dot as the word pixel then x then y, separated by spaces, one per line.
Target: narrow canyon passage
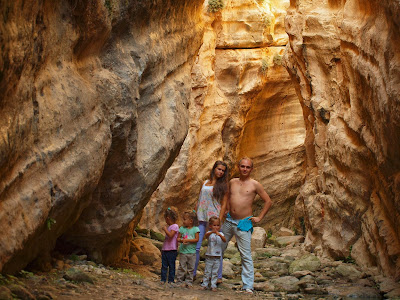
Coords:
pixel 112 111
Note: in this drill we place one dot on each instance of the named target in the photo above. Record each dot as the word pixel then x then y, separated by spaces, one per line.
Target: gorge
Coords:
pixel 109 106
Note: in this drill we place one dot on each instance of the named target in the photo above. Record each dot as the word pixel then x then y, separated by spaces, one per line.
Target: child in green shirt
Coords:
pixel 188 237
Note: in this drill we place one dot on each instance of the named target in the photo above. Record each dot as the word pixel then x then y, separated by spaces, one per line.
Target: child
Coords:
pixel 170 246
pixel 188 236
pixel 213 254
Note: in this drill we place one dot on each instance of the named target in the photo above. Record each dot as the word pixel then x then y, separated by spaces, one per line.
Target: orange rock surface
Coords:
pixel 345 58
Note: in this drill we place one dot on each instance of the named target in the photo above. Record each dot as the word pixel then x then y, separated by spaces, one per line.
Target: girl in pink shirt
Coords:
pixel 170 246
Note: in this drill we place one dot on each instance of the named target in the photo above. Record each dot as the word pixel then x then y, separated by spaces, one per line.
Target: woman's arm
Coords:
pixel 224 207
pixel 198 200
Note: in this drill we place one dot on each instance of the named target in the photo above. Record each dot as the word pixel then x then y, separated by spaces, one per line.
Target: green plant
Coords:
pixel 295 231
pixel 110 6
pixel 264 66
pixel 277 59
pixel 303 225
pixel 4 280
pixel 266 255
pixel 215 5
pixel 50 222
pixel 269 234
pixel 349 259
pixel 25 274
pixel 74 257
pixel 128 271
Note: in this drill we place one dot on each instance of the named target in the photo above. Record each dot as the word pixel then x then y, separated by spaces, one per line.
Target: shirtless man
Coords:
pixel 242 192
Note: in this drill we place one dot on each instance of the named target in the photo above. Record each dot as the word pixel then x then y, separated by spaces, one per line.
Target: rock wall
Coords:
pixel 345 58
pixel 93 110
pixel 242 103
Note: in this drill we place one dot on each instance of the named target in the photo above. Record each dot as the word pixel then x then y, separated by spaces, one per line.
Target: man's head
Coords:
pixel 245 166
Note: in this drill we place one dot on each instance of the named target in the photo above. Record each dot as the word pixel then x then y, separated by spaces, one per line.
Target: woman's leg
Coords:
pixel 203 228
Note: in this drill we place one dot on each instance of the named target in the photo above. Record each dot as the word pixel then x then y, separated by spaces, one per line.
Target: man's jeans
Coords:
pixel 243 239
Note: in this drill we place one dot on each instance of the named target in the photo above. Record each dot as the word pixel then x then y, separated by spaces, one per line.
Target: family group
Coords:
pixel 221 201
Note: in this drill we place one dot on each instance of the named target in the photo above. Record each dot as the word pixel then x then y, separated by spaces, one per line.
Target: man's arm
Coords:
pixel 267 202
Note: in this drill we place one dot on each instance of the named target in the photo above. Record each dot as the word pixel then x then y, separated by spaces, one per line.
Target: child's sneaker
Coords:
pixel 248 291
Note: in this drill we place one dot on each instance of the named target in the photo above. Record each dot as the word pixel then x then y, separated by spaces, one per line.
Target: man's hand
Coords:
pixel 255 219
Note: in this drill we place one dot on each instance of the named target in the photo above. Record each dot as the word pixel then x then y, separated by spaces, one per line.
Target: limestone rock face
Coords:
pixel 345 58
pixel 93 110
pixel 242 104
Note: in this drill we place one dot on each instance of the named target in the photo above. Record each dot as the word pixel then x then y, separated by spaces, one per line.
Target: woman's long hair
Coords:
pixel 221 185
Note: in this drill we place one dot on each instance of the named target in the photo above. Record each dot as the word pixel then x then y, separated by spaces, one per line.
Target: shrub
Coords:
pixel 278 60
pixel 264 66
pixel 50 222
pixel 215 5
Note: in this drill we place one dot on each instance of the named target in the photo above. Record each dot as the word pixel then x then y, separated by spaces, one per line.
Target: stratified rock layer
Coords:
pixel 93 111
pixel 345 56
pixel 242 104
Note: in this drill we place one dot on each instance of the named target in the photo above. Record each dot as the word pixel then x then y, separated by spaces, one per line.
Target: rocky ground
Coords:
pixel 283 270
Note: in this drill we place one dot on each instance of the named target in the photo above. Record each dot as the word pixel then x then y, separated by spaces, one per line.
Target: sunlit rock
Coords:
pixel 94 98
pixel 345 58
pixel 242 104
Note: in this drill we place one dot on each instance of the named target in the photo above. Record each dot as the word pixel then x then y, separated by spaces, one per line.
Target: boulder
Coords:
pixel 264 286
pixel 158 236
pixel 283 231
pixel 288 284
pixel 258 238
pixel 76 275
pixel 227 269
pixel 348 271
pixel 230 250
pixel 283 241
pixel 307 262
pixel 145 251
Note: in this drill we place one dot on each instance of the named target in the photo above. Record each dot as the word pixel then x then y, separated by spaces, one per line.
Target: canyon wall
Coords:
pixel 345 58
pixel 242 104
pixel 93 111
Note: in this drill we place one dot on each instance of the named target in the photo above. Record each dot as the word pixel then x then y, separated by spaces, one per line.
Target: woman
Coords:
pixel 213 192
